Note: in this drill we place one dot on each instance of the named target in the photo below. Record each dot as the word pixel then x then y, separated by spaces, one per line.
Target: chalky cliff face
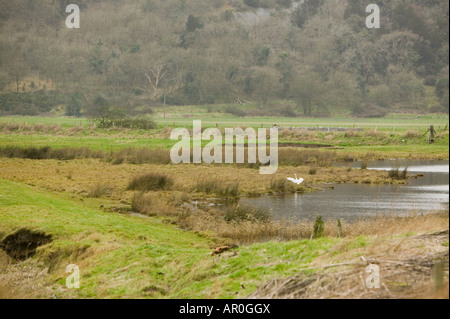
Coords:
pixel 213 151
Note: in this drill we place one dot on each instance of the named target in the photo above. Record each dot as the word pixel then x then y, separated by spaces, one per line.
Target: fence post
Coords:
pixel 319 226
pixel 339 225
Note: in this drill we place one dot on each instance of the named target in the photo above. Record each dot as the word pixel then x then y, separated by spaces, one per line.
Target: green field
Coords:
pixel 112 143
pixel 173 117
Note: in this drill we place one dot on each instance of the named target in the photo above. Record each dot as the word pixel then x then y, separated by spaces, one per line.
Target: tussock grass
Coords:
pixel 398 174
pixel 150 182
pixel 151 204
pixel 46 152
pixel 211 185
pixel 99 190
pixel 278 185
pixel 412 134
pixel 140 156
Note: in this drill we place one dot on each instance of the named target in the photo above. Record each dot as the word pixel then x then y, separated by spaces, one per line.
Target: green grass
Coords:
pixel 142 257
pixel 63 121
pixel 106 143
pixel 183 116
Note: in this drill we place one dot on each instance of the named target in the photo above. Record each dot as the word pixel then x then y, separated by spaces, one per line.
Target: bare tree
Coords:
pixel 163 78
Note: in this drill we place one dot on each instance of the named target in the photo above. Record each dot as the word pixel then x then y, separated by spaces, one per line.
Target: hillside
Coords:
pixel 317 57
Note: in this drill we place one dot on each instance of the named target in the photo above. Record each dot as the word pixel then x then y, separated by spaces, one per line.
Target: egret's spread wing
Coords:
pixel 300 181
pixel 291 179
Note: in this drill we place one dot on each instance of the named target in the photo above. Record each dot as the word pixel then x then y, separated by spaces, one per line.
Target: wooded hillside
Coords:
pixel 133 55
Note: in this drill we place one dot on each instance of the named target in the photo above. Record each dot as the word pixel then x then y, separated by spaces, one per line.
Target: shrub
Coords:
pixel 137 123
pixel 288 111
pixel 233 110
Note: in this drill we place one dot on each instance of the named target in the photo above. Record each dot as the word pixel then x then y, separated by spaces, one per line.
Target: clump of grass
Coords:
pixel 150 182
pixel 99 190
pixel 278 185
pixel 142 203
pixel 140 156
pixel 152 204
pixel 352 134
pixel 239 213
pixel 398 174
pixel 215 186
pixel 312 171
pixel 412 134
pixel 364 165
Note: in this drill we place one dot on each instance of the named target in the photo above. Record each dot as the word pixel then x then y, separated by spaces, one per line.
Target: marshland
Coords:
pixel 87 181
pixel 110 201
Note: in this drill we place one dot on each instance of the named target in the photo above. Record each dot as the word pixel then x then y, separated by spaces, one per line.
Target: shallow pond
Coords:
pixel 353 201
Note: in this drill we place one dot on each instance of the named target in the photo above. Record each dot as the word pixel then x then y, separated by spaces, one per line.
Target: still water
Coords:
pixel 353 201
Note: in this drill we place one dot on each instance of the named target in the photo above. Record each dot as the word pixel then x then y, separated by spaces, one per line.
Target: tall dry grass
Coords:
pixel 398 174
pixel 150 182
pixel 139 156
pixel 100 189
pixel 211 185
pixel 47 152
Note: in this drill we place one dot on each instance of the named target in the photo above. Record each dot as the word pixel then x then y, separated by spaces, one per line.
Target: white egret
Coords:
pixel 296 180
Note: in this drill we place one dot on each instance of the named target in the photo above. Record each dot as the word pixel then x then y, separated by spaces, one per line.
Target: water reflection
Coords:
pixel 349 201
